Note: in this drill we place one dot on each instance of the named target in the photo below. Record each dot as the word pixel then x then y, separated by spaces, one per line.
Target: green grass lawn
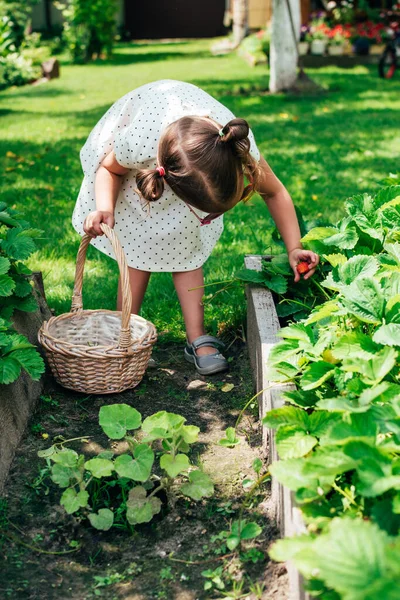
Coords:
pixel 323 148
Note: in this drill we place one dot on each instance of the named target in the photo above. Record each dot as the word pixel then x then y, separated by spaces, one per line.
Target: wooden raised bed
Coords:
pixel 262 328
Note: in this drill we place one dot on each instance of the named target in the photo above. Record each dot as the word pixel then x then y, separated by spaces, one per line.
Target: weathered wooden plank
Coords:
pixel 262 329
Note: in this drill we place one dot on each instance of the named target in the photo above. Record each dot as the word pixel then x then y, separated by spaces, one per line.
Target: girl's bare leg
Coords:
pixel 138 280
pixel 191 304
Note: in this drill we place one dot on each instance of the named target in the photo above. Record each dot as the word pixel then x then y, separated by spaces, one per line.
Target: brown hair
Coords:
pixel 203 163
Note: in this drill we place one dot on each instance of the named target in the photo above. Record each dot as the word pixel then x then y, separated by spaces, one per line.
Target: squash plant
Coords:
pixel 139 479
pixel 16 245
pixel 338 436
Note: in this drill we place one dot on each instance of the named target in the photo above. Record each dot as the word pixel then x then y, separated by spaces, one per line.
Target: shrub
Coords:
pixel 17 70
pixel 16 245
pixel 89 28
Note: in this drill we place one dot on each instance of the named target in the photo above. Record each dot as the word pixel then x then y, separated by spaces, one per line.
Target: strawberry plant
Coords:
pixel 338 436
pixel 16 245
pixel 127 488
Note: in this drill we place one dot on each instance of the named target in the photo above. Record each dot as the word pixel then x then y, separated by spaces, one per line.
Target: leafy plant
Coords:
pixel 89 27
pixel 88 483
pixel 338 436
pixel 16 244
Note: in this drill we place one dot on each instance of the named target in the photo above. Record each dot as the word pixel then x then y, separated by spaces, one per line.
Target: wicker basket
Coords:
pixel 98 351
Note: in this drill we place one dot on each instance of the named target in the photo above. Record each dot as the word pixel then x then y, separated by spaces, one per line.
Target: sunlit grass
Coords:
pixel 323 148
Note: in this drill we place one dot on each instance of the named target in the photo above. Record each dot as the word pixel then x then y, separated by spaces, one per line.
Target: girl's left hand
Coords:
pixel 299 255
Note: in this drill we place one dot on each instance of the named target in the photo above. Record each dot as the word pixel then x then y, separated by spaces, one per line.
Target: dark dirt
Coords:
pixel 161 560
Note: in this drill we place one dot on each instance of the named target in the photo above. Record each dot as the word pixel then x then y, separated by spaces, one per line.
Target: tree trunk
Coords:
pixel 240 16
pixel 283 52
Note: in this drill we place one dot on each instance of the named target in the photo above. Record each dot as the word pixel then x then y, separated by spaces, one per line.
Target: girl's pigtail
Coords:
pixel 236 134
pixel 150 183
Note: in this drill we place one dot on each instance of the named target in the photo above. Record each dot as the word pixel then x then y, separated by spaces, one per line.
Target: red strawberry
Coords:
pixel 303 267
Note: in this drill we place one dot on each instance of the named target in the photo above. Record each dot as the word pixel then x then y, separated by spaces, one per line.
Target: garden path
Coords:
pixel 162 560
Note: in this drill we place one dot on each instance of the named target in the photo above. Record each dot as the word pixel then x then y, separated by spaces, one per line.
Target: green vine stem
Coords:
pixel 11 538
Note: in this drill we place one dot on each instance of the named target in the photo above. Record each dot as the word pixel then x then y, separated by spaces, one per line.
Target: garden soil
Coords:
pixel 46 554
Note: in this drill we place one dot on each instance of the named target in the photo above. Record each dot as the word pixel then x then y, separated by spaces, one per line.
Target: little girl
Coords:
pixel 162 166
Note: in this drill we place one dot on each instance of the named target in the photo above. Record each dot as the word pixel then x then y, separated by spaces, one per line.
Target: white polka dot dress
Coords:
pixel 162 235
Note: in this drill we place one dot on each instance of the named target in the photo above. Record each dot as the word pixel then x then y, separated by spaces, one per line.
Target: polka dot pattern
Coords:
pixel 162 235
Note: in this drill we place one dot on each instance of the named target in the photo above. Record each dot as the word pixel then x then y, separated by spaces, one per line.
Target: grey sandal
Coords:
pixel 209 363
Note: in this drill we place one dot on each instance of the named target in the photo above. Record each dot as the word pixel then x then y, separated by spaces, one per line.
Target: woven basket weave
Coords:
pixel 98 351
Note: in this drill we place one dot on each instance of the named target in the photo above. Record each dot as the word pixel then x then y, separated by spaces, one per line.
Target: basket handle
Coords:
pixel 125 339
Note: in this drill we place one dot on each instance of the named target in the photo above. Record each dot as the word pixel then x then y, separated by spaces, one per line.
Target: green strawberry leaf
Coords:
pixel 10 370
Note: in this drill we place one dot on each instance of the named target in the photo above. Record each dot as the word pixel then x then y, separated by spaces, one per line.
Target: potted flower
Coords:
pixel 338 36
pixel 364 35
pixel 380 38
pixel 304 45
pixel 318 36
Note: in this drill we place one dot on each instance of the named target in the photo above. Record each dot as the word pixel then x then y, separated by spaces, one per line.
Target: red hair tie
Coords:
pixel 161 171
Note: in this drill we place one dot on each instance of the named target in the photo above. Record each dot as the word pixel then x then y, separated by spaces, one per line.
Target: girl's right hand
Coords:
pixel 92 222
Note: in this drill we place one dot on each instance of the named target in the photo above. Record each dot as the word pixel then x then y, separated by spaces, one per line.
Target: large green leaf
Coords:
pixel 389 335
pixel 282 351
pixel 374 370
pixel 287 415
pixel 30 360
pixel 116 419
pixel 10 370
pixel 7 285
pixel 316 374
pixel 374 469
pixel 103 520
pixel 301 398
pixel 364 299
pixel 138 469
pixel 282 371
pixel 190 433
pixel 328 461
pixel 4 265
pixel 100 467
pixel 22 287
pixel 163 420
pixel 298 331
pixel 394 251
pixel 298 549
pixel 18 245
pixel 140 507
pixel 392 311
pixel 292 474
pixel 323 312
pixel 174 465
pixel 320 421
pixel 354 426
pixel 66 458
pixel 73 501
pixel 62 476
pixel 199 486
pixel 357 267
pixel 251 276
pixel 292 442
pixel 386 196
pixel 315 239
pixel 355 345
pixel 345 240
pixel 355 555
